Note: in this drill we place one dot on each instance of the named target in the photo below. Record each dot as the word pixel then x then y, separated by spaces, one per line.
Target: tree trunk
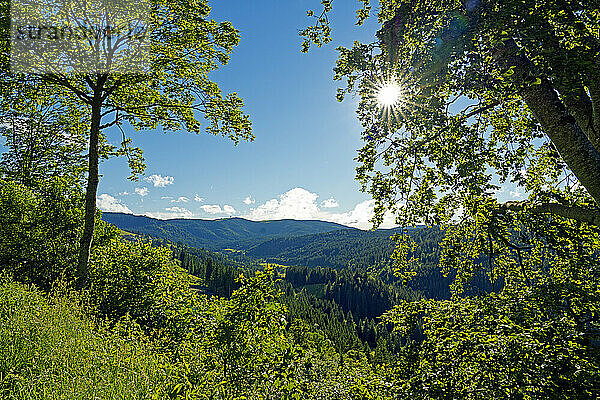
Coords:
pixel 85 245
pixel 571 142
pixel 561 127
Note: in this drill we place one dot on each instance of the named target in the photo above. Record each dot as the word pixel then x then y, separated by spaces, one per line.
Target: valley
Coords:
pixel 338 279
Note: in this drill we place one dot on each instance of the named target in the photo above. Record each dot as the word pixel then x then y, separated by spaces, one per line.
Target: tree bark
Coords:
pixel 594 88
pixel 568 81
pixel 87 237
pixel 561 127
pixel 571 142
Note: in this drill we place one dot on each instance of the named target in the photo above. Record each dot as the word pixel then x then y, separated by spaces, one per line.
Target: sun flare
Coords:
pixel 389 94
pixel 392 98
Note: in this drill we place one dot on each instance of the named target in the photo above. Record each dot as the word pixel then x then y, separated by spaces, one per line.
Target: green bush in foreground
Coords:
pixel 49 349
pixel 40 228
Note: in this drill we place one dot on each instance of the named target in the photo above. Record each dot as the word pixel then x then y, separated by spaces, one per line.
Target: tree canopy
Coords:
pixel 490 92
pixel 487 93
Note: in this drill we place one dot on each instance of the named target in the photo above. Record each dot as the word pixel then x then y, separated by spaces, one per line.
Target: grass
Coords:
pixel 50 349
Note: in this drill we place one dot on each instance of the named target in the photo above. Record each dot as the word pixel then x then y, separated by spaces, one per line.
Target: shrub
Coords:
pixel 139 280
pixel 40 229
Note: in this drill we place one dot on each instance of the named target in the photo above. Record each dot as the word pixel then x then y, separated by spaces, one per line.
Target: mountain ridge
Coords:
pixel 219 233
pixel 229 219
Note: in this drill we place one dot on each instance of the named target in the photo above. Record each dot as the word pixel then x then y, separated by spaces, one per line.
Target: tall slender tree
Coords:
pixel 147 66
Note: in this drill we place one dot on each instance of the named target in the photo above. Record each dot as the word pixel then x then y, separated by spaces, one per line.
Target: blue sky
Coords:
pixel 301 164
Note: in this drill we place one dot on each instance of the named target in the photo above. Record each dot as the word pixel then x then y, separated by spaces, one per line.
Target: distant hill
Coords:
pixel 235 233
pixel 336 249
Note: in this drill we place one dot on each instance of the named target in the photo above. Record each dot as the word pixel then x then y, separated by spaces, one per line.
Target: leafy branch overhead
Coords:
pixel 496 92
pixel 491 93
pixel 320 33
pixel 488 95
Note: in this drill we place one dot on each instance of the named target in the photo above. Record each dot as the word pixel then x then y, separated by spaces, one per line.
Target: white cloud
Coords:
pixel 330 203
pixel 198 198
pixel 181 199
pixel 299 203
pixel 296 203
pixel 249 200
pixel 142 191
pixel 180 210
pixel 217 209
pixel 172 212
pixel 109 204
pixel 159 180
pixel 123 193
pixel 212 209
pixel 360 217
pixel 516 194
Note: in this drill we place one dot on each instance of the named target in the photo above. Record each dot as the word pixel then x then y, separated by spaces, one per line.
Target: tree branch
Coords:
pixel 64 82
pixel 574 212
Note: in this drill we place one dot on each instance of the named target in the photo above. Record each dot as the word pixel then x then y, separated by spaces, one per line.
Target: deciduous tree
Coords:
pixel 488 94
pixel 165 84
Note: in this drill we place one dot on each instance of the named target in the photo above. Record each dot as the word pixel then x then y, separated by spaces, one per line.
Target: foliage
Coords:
pixel 243 340
pixel 464 123
pixel 186 45
pixel 43 141
pixel 39 230
pixel 137 280
pixel 491 93
pixel 247 350
pixel 50 348
pixel 534 344
pixel 206 347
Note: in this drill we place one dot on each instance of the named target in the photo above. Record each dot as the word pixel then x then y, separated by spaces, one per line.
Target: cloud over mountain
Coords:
pixel 107 203
pixel 299 203
pixel 171 212
pixel 329 203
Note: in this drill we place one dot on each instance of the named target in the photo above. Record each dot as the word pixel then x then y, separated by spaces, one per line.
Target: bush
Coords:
pixel 40 230
pixel 136 279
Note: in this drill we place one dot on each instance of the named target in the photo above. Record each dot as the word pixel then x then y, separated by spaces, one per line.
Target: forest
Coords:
pixel 470 297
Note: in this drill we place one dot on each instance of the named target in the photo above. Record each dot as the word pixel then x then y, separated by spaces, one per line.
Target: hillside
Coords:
pixel 341 248
pixel 237 233
pixel 335 249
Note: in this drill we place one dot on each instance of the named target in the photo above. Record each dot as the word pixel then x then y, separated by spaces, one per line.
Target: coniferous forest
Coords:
pixel 470 296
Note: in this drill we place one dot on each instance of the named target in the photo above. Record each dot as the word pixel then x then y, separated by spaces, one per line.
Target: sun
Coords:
pixel 389 94
pixel 392 97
